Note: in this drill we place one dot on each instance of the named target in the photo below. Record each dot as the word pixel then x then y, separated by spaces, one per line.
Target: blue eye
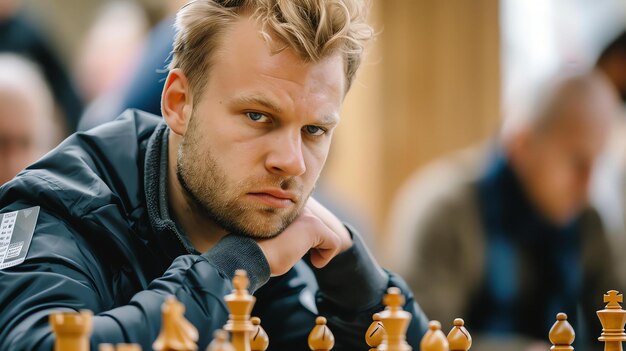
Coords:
pixel 314 130
pixel 257 117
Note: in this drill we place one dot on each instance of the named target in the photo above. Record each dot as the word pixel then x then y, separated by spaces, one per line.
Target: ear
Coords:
pixel 177 101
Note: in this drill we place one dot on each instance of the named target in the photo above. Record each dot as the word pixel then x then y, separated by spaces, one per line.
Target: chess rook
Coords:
pixel 459 338
pixel 395 321
pixel 240 304
pixel 562 334
pixel 72 330
pixel 613 318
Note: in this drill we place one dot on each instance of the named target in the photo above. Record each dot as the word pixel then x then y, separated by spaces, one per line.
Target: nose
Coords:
pixel 286 157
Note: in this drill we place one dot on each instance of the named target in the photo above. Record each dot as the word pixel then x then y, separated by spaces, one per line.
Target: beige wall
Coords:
pixel 430 85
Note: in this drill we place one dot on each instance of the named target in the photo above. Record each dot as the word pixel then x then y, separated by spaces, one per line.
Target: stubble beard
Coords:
pixel 209 192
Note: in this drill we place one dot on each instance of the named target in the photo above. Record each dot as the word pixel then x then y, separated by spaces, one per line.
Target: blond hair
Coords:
pixel 314 29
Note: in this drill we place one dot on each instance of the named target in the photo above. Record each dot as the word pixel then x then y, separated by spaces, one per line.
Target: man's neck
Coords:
pixel 203 233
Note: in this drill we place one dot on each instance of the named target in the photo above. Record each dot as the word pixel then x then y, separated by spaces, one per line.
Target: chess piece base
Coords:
pixel 613 346
pixel 561 348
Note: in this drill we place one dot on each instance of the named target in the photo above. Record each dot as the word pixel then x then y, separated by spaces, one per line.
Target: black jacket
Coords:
pixel 104 242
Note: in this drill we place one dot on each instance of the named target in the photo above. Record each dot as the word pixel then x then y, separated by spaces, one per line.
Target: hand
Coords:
pixel 315 230
pixel 332 222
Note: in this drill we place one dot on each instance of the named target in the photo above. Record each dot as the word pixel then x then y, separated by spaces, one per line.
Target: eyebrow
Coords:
pixel 257 99
pixel 329 120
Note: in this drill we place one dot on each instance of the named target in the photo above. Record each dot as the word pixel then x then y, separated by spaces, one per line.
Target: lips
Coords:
pixel 274 197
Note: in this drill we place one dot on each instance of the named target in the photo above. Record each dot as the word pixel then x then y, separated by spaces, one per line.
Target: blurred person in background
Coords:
pixel 27 128
pixel 108 56
pixel 609 186
pixel 612 62
pixel 22 37
pixel 141 89
pixel 502 236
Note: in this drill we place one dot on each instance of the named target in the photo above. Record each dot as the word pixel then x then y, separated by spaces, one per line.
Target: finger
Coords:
pixel 327 246
pixel 320 258
pixel 331 222
pixel 325 238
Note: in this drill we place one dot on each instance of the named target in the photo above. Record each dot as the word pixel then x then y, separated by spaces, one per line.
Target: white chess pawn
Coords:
pixel 259 340
pixel 375 334
pixel 321 338
pixel 562 334
pixel 459 338
pixel 434 339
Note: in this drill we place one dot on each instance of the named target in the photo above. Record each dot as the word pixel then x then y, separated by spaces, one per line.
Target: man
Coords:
pixel 27 126
pixel 611 62
pixel 139 209
pixel 502 235
pixel 609 185
pixel 23 37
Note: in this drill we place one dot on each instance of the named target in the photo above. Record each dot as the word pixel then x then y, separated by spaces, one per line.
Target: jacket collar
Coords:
pixel 172 239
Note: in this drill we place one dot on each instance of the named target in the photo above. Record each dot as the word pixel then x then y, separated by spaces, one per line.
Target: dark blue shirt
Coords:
pixel 533 267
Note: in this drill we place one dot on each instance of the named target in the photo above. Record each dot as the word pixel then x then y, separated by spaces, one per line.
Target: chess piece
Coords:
pixel 72 330
pixel 562 334
pixel 613 319
pixel 119 347
pixel 106 347
pixel 240 304
pixel 395 322
pixel 375 333
pixel 220 342
pixel 434 339
pixel 258 339
pixel 321 338
pixel 459 338
pixel 128 347
pixel 177 334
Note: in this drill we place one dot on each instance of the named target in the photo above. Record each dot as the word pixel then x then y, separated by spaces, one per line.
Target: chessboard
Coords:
pixel 386 333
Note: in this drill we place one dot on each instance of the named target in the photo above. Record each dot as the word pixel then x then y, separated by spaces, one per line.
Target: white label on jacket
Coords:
pixel 16 232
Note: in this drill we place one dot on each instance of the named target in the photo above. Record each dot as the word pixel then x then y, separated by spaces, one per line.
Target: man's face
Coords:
pixel 560 160
pixel 19 142
pixel 259 134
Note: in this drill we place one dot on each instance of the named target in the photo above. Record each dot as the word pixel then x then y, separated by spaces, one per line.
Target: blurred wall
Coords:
pixel 430 85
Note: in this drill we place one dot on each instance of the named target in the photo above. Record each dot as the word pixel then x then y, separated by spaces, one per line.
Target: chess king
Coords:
pixel 146 207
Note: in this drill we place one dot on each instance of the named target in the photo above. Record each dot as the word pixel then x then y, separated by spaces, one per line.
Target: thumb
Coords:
pixel 320 258
pixel 326 247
